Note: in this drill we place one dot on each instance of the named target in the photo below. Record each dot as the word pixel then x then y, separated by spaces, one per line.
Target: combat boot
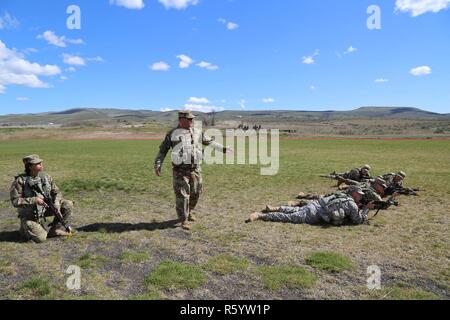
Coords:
pixel 185 225
pixel 254 216
pixel 191 217
pixel 58 232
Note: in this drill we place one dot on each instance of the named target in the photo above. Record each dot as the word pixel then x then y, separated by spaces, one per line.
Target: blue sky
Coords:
pixel 224 55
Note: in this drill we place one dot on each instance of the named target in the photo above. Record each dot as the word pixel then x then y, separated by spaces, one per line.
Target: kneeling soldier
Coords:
pixel 36 196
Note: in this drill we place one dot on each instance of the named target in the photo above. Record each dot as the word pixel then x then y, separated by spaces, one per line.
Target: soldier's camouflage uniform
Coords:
pixel 33 222
pixel 389 178
pixel 336 209
pixel 355 175
pixel 187 154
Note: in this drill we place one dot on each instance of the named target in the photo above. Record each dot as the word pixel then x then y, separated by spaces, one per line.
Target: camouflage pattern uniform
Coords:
pixel 33 223
pixel 370 193
pixel 187 154
pixel 336 209
pixel 389 178
pixel 356 174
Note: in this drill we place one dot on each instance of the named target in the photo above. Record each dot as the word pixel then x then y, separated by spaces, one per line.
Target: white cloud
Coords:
pixel 96 59
pixel 310 59
pixel 351 49
pixel 202 108
pixel 185 61
pixel 418 7
pixel 63 78
pixel 196 100
pixel 73 60
pixel 381 80
pixel 160 66
pixel 232 26
pixel 71 69
pixel 420 71
pixel 22 99
pixel 129 4
pixel 312 88
pixel 8 22
pixel 14 69
pixel 58 41
pixel 268 100
pixel 207 65
pixel 29 51
pixel 229 25
pixel 166 109
pixel 178 4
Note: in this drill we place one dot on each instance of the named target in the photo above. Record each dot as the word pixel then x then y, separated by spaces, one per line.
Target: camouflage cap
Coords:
pixel 380 181
pixel 185 114
pixel 401 174
pixel 32 159
pixel 366 166
pixel 354 188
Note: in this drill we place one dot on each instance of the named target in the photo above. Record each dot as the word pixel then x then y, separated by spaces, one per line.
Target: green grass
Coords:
pixel 112 182
pixel 134 257
pixel 38 286
pixel 89 260
pixel 175 275
pixel 225 264
pixel 403 293
pixel 274 278
pixel 329 261
pixel 151 294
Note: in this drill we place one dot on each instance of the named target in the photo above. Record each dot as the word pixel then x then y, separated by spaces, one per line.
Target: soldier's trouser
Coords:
pixel 286 214
pixel 187 185
pixel 32 229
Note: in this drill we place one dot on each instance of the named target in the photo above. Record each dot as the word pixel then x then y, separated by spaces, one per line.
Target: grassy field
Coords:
pixel 128 247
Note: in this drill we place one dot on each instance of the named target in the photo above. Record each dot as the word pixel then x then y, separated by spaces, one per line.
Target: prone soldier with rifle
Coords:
pixel 36 197
pixel 352 177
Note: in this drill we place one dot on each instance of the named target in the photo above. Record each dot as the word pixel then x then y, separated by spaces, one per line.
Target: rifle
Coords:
pixel 403 191
pixel 48 200
pixel 333 176
pixel 382 205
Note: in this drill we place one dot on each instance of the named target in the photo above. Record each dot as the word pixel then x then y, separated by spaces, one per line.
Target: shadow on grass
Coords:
pixel 126 227
pixel 10 236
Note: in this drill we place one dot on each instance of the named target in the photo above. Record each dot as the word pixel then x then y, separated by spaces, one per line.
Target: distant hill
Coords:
pixel 83 115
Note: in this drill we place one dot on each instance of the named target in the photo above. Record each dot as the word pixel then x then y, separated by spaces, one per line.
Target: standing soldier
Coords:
pixel 186 143
pixel 28 192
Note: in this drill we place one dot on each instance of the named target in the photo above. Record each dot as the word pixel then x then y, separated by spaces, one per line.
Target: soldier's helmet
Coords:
pixel 380 181
pixel 354 188
pixel 401 174
pixel 185 114
pixel 367 167
pixel 32 159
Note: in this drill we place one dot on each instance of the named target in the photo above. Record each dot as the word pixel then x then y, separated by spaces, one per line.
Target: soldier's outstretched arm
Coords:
pixel 208 141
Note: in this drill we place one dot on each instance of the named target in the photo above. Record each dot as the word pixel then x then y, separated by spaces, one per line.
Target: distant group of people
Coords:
pixel 246 127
